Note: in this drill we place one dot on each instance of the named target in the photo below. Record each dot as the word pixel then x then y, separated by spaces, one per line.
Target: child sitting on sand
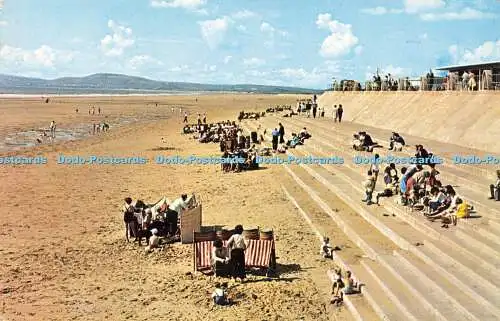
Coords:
pixel 219 295
pixel 154 241
pixel 326 249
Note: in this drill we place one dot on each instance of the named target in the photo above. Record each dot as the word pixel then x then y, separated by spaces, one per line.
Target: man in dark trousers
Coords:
pixel 275 134
pixel 315 108
pixel 340 111
pixel 282 133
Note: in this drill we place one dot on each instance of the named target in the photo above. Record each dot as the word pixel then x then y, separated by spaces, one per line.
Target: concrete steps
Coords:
pixel 408 282
pixel 480 173
pixel 447 278
pixel 359 306
pixel 468 185
pixel 462 300
pixel 457 174
pixel 455 245
pixel 487 230
pixel 381 301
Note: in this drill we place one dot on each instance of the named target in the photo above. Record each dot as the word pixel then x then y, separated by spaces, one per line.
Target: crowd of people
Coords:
pixel 154 222
pixel 278 108
pixel 250 115
pixel 309 107
pixel 419 188
pixel 233 144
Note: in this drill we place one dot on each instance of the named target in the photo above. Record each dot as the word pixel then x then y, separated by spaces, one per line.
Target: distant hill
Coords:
pixel 122 84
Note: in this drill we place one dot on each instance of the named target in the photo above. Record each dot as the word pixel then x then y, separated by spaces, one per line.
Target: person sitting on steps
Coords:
pixel 495 188
pixel 396 142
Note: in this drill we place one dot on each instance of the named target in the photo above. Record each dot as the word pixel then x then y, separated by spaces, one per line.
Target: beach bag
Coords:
pixel 463 210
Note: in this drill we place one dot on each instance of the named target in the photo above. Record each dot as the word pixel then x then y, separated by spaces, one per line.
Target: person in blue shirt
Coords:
pixel 276 135
pixel 402 185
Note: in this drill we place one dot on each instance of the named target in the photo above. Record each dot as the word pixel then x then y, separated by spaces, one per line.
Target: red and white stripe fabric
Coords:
pixel 258 253
pixel 203 252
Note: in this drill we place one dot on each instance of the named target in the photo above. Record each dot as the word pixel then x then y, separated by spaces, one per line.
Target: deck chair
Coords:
pixel 202 249
pixel 258 254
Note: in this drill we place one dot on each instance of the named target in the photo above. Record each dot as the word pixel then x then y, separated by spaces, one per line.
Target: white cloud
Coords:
pixel 423 36
pixel 464 14
pixel 340 41
pixel 453 51
pixel 185 4
pixel 257 73
pixel 210 68
pixel 241 28
pixel 413 6
pixel 377 11
pixel 114 44
pixel 243 14
pixel 395 71
pixel 254 62
pixel 45 56
pixel 267 28
pixel 180 68
pixel 227 59
pixel 3 23
pixel 488 51
pixel 358 50
pixel 139 61
pixel 214 31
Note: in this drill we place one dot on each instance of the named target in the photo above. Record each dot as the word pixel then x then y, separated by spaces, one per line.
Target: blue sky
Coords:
pixel 300 43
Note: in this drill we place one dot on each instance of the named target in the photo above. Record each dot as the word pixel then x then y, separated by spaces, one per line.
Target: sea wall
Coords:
pixel 470 119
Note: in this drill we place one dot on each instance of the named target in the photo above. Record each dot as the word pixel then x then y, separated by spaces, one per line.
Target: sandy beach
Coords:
pixel 62 244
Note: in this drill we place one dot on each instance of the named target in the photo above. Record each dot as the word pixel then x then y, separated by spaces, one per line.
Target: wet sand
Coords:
pixel 63 251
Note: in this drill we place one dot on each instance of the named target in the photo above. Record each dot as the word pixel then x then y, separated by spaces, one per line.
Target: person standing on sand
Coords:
pixel 185 117
pixel 237 246
pixel 172 109
pixel 340 111
pixel 76 110
pixel 204 118
pixel 93 130
pixel 52 129
pixel 99 110
pixel 275 135
pixel 314 109
pixel 335 113
pixel 282 133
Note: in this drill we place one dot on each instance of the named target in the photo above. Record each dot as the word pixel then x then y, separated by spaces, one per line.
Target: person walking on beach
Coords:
pixel 340 111
pixel 282 133
pixel 199 119
pixel 314 109
pixel 237 246
pixel 204 118
pixel 99 110
pixel 335 113
pixel 93 130
pixel 185 117
pixel 93 110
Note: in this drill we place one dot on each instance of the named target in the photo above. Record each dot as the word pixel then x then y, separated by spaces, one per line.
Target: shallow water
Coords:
pixel 27 139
